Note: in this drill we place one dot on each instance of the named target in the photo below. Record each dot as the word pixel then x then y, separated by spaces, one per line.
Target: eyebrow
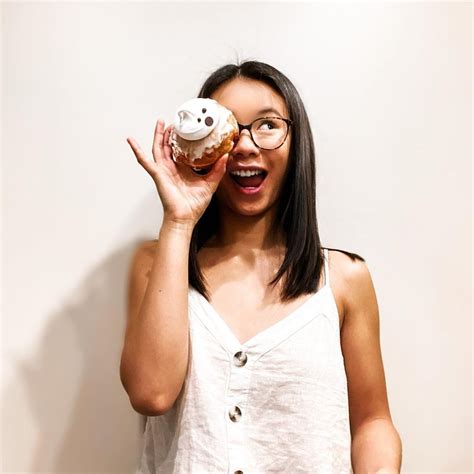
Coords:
pixel 269 109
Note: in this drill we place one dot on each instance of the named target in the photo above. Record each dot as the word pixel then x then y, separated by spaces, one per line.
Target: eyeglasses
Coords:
pixel 268 133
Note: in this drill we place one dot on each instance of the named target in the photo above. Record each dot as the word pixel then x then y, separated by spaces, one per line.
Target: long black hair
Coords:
pixel 296 208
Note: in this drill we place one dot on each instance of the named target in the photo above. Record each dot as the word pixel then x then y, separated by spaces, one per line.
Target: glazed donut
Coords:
pixel 203 131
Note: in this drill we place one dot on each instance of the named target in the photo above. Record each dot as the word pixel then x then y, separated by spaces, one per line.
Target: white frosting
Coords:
pixel 196 118
pixel 224 124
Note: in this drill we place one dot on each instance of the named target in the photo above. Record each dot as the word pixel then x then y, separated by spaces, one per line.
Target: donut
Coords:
pixel 203 131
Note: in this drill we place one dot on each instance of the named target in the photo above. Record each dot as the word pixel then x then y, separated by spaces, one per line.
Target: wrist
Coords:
pixel 178 226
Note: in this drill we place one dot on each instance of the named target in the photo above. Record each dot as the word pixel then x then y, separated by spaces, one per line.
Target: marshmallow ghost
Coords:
pixel 196 118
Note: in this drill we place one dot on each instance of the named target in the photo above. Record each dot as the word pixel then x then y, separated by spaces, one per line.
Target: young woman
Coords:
pixel 249 346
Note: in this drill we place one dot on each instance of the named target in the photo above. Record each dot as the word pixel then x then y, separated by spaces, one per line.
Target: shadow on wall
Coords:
pixel 83 416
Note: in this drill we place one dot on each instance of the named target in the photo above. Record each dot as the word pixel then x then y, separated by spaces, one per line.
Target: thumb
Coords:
pixel 218 170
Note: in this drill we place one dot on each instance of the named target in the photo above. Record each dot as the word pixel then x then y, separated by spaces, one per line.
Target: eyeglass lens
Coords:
pixel 269 132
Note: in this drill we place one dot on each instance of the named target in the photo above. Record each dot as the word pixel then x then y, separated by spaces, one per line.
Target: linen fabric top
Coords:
pixel 276 404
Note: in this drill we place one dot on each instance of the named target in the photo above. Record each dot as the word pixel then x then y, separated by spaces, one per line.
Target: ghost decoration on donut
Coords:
pixel 203 131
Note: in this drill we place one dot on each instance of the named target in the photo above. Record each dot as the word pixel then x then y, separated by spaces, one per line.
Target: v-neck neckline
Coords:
pixel 267 334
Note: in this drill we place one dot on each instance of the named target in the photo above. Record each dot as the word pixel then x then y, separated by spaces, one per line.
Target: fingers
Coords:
pixel 161 147
pixel 140 155
pixel 218 171
pixel 166 145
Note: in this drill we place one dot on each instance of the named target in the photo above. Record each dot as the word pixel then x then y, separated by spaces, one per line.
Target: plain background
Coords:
pixel 388 90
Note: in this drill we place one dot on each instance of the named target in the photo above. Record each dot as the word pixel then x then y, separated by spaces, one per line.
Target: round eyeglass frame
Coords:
pixel 249 128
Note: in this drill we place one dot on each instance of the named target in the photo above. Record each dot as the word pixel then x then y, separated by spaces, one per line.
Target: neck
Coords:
pixel 250 234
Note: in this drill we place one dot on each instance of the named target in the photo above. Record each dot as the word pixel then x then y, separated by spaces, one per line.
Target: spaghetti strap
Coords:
pixel 326 267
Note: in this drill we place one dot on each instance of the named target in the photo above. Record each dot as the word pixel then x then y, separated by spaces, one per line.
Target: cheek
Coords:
pixel 281 163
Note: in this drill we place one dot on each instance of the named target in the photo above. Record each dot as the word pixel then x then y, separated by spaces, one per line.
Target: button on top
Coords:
pixel 235 413
pixel 240 358
pixel 239 472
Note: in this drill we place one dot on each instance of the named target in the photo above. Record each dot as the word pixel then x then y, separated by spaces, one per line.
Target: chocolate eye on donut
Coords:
pixel 209 121
pixel 204 111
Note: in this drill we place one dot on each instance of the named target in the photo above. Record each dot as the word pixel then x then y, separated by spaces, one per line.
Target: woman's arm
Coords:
pixel 376 444
pixel 154 358
pixel 377 448
pixel 155 352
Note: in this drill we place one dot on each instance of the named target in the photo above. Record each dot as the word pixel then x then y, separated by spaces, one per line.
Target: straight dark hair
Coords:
pixel 296 207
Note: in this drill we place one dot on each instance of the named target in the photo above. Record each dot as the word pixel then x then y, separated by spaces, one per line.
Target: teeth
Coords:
pixel 246 173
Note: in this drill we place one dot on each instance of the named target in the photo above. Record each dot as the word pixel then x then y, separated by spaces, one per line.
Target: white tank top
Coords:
pixel 277 403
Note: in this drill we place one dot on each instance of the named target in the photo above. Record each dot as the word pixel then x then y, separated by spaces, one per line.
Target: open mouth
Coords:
pixel 254 181
pixel 249 184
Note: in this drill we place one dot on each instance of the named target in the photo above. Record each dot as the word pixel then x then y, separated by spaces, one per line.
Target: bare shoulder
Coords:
pixel 349 275
pixel 139 274
pixel 147 245
pixel 142 258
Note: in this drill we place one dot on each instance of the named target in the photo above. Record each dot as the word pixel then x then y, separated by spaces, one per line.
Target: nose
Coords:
pixel 244 145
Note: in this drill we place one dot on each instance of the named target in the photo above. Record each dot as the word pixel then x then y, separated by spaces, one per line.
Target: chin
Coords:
pixel 248 210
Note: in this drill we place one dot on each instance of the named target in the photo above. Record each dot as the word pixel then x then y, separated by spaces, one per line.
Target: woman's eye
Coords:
pixel 266 123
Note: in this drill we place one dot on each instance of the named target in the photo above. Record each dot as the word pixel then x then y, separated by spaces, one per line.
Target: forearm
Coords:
pixel 376 448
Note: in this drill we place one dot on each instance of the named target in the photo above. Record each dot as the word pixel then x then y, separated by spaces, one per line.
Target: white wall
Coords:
pixel 388 90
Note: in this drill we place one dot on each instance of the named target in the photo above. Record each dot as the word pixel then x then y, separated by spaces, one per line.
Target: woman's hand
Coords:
pixel 184 194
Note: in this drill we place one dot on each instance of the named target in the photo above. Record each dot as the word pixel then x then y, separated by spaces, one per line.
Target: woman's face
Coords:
pixel 249 99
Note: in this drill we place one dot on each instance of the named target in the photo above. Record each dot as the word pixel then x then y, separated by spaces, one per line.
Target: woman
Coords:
pixel 249 347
